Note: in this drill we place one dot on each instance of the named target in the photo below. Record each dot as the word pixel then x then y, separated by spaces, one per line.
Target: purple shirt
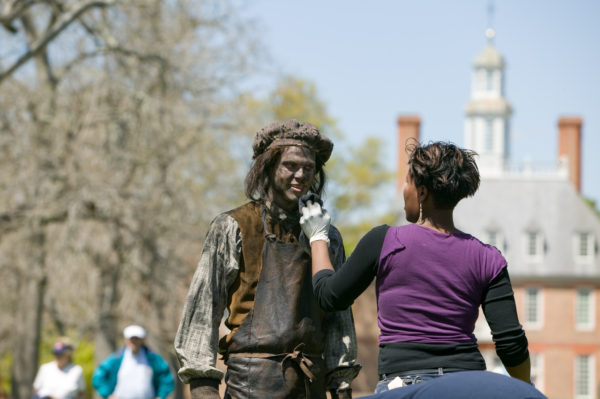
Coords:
pixel 430 285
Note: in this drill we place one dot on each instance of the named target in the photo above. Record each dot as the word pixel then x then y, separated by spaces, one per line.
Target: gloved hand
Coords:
pixel 204 388
pixel 341 394
pixel 315 222
pixel 310 196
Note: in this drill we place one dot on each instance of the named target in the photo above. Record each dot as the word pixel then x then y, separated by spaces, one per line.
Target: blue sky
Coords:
pixel 373 61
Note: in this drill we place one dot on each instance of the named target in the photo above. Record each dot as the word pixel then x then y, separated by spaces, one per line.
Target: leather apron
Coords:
pixel 276 352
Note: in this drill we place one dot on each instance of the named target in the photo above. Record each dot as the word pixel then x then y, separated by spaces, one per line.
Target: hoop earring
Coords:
pixel 420 221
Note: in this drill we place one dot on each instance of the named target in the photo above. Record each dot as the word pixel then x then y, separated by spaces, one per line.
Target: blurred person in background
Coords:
pixel 255 265
pixel 60 378
pixel 431 278
pixel 134 371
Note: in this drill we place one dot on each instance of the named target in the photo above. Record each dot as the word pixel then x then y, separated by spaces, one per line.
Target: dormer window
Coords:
pixel 584 247
pixel 534 246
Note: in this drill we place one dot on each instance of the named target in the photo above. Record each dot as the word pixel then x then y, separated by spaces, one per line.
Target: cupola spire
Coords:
pixel 489 32
pixel 488 113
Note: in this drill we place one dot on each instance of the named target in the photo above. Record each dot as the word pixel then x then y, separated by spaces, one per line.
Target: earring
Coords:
pixel 420 214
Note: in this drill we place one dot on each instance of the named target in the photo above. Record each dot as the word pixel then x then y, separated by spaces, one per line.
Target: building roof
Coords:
pixel 489 58
pixel 513 206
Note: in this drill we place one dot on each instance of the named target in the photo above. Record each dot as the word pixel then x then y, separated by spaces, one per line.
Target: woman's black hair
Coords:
pixel 258 179
pixel 449 172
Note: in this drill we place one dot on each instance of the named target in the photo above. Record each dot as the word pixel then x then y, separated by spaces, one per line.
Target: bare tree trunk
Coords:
pixel 31 291
pixel 109 296
pixel 106 335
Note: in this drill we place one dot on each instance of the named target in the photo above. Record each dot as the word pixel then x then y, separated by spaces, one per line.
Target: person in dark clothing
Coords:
pixel 255 265
pixel 431 278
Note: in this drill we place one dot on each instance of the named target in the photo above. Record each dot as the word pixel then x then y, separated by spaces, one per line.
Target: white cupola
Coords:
pixel 487 114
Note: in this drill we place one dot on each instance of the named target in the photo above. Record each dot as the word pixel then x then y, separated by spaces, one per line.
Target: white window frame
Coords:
pixel 537 370
pixel 591 373
pixel 590 243
pixel 539 308
pixel 590 324
pixel 538 256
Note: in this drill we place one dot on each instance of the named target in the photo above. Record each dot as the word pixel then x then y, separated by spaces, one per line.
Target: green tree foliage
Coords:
pixel 359 191
pixel 299 99
pixel 361 172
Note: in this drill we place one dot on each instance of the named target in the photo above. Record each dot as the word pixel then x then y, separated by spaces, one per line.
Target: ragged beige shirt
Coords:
pixel 197 339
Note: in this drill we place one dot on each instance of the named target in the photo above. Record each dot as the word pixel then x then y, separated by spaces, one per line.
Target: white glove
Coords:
pixel 315 222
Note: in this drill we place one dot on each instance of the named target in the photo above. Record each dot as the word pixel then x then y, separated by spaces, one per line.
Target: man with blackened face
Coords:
pixel 255 265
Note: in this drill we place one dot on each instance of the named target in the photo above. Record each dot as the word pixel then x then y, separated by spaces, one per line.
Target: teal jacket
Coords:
pixel 104 379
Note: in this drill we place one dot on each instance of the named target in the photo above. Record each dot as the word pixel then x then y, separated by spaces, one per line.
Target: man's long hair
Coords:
pixel 260 176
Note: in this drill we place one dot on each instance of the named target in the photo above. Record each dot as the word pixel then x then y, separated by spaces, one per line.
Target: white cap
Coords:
pixel 134 331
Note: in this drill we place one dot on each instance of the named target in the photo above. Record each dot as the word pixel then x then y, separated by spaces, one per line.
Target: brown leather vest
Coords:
pixel 243 290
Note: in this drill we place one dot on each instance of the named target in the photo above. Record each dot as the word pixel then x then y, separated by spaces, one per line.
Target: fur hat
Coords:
pixel 292 132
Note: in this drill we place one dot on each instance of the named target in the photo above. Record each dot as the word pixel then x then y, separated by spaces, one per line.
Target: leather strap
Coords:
pixel 297 356
pixel 301 360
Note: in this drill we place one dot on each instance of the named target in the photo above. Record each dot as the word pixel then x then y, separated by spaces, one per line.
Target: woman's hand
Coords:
pixel 315 222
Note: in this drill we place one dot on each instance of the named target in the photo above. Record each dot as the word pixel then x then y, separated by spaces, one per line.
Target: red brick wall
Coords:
pixel 558 340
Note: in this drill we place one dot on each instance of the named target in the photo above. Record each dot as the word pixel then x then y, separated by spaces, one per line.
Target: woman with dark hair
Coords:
pixel 431 278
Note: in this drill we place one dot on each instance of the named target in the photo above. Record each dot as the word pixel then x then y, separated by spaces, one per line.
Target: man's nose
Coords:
pixel 300 173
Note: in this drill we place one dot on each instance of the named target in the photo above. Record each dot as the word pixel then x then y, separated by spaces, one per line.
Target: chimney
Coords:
pixel 408 127
pixel 569 147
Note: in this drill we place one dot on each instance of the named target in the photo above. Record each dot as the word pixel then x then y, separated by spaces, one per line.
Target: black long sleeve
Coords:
pixel 337 290
pixel 501 314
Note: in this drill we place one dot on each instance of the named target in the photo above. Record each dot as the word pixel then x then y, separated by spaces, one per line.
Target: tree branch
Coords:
pixel 61 24
pixel 9 14
pixel 10 222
